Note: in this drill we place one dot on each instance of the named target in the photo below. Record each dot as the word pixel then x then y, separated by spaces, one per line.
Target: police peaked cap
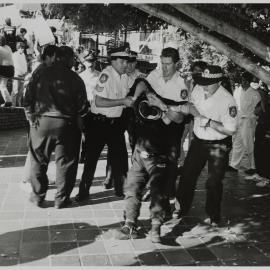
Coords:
pixel 132 56
pixel 120 52
pixel 210 75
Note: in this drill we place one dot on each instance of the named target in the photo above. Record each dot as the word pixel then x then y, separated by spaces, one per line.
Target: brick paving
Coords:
pixel 82 235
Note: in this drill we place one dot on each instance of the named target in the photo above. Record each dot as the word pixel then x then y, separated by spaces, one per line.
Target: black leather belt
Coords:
pixel 222 141
pixel 103 118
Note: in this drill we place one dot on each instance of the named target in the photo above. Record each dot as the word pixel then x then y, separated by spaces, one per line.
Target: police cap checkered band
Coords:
pixel 119 54
pixel 211 75
pixel 207 74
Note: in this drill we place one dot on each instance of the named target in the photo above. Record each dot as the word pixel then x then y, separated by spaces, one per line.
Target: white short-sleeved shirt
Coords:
pixel 221 107
pixel 248 101
pixel 174 89
pixel 133 76
pixel 90 80
pixel 113 86
pixel 20 63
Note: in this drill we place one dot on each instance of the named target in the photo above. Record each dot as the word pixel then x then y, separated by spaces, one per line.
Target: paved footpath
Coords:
pixel 82 235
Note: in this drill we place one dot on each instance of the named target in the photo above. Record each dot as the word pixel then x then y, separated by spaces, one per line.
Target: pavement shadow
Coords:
pixel 24 246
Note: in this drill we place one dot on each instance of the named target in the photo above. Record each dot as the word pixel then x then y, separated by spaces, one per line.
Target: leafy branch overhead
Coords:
pixel 239 31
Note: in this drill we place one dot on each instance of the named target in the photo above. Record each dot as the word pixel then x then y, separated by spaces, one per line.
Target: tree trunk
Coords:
pixel 236 57
pixel 246 40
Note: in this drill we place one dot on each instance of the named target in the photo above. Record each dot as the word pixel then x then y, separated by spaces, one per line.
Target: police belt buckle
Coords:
pixel 144 154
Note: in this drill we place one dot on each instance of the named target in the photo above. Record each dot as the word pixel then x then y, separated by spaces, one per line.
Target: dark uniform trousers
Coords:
pixel 100 131
pixel 216 153
pixel 123 147
pixel 152 170
pixel 62 136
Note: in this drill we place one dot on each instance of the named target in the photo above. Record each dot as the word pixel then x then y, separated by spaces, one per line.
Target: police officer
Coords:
pixel 127 116
pixel 104 126
pixel 57 100
pixel 215 121
pixel 157 145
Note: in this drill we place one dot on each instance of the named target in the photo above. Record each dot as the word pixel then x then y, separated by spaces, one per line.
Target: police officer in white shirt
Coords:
pixel 110 97
pixel 90 78
pixel 132 73
pixel 90 75
pixel 215 121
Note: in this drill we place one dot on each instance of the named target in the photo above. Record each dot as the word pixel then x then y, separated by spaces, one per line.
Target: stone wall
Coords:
pixel 11 118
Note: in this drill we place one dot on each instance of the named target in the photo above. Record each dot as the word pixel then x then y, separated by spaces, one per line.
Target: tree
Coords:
pixel 165 14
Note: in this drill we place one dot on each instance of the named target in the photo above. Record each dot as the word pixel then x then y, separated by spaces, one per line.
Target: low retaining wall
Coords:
pixel 11 118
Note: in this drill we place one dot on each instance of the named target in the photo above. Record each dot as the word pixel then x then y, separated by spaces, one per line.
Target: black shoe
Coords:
pixel 250 172
pixel 65 203
pixel 119 194
pixel 176 214
pixel 107 185
pixel 81 197
pixel 146 196
pixel 128 231
pixel 36 202
pixel 212 222
pixel 231 169
pixel 7 104
pixel 155 233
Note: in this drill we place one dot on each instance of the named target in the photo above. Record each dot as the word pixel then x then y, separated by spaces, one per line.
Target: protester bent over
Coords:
pixel 157 146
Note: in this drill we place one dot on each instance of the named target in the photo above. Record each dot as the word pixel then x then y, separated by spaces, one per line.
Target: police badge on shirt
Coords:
pixel 184 94
pixel 101 81
pixel 233 111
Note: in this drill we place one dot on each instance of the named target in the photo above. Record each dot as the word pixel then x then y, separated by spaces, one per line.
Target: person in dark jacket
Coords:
pixel 54 106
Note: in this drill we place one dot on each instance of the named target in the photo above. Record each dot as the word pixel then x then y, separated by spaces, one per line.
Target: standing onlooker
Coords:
pixel 243 141
pixel 215 121
pixel 20 67
pixel 262 138
pixel 48 58
pixel 21 38
pixel 90 77
pixel 6 70
pixel 10 34
pixel 57 101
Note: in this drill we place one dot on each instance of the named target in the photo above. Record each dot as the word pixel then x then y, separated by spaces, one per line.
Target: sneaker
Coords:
pixel 231 169
pixel 128 231
pixel 254 176
pixel 263 183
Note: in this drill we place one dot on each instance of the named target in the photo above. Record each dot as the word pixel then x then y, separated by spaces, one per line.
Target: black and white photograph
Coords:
pixel 134 134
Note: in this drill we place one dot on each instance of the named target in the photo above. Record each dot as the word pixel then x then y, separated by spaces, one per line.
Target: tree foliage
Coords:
pixel 100 18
